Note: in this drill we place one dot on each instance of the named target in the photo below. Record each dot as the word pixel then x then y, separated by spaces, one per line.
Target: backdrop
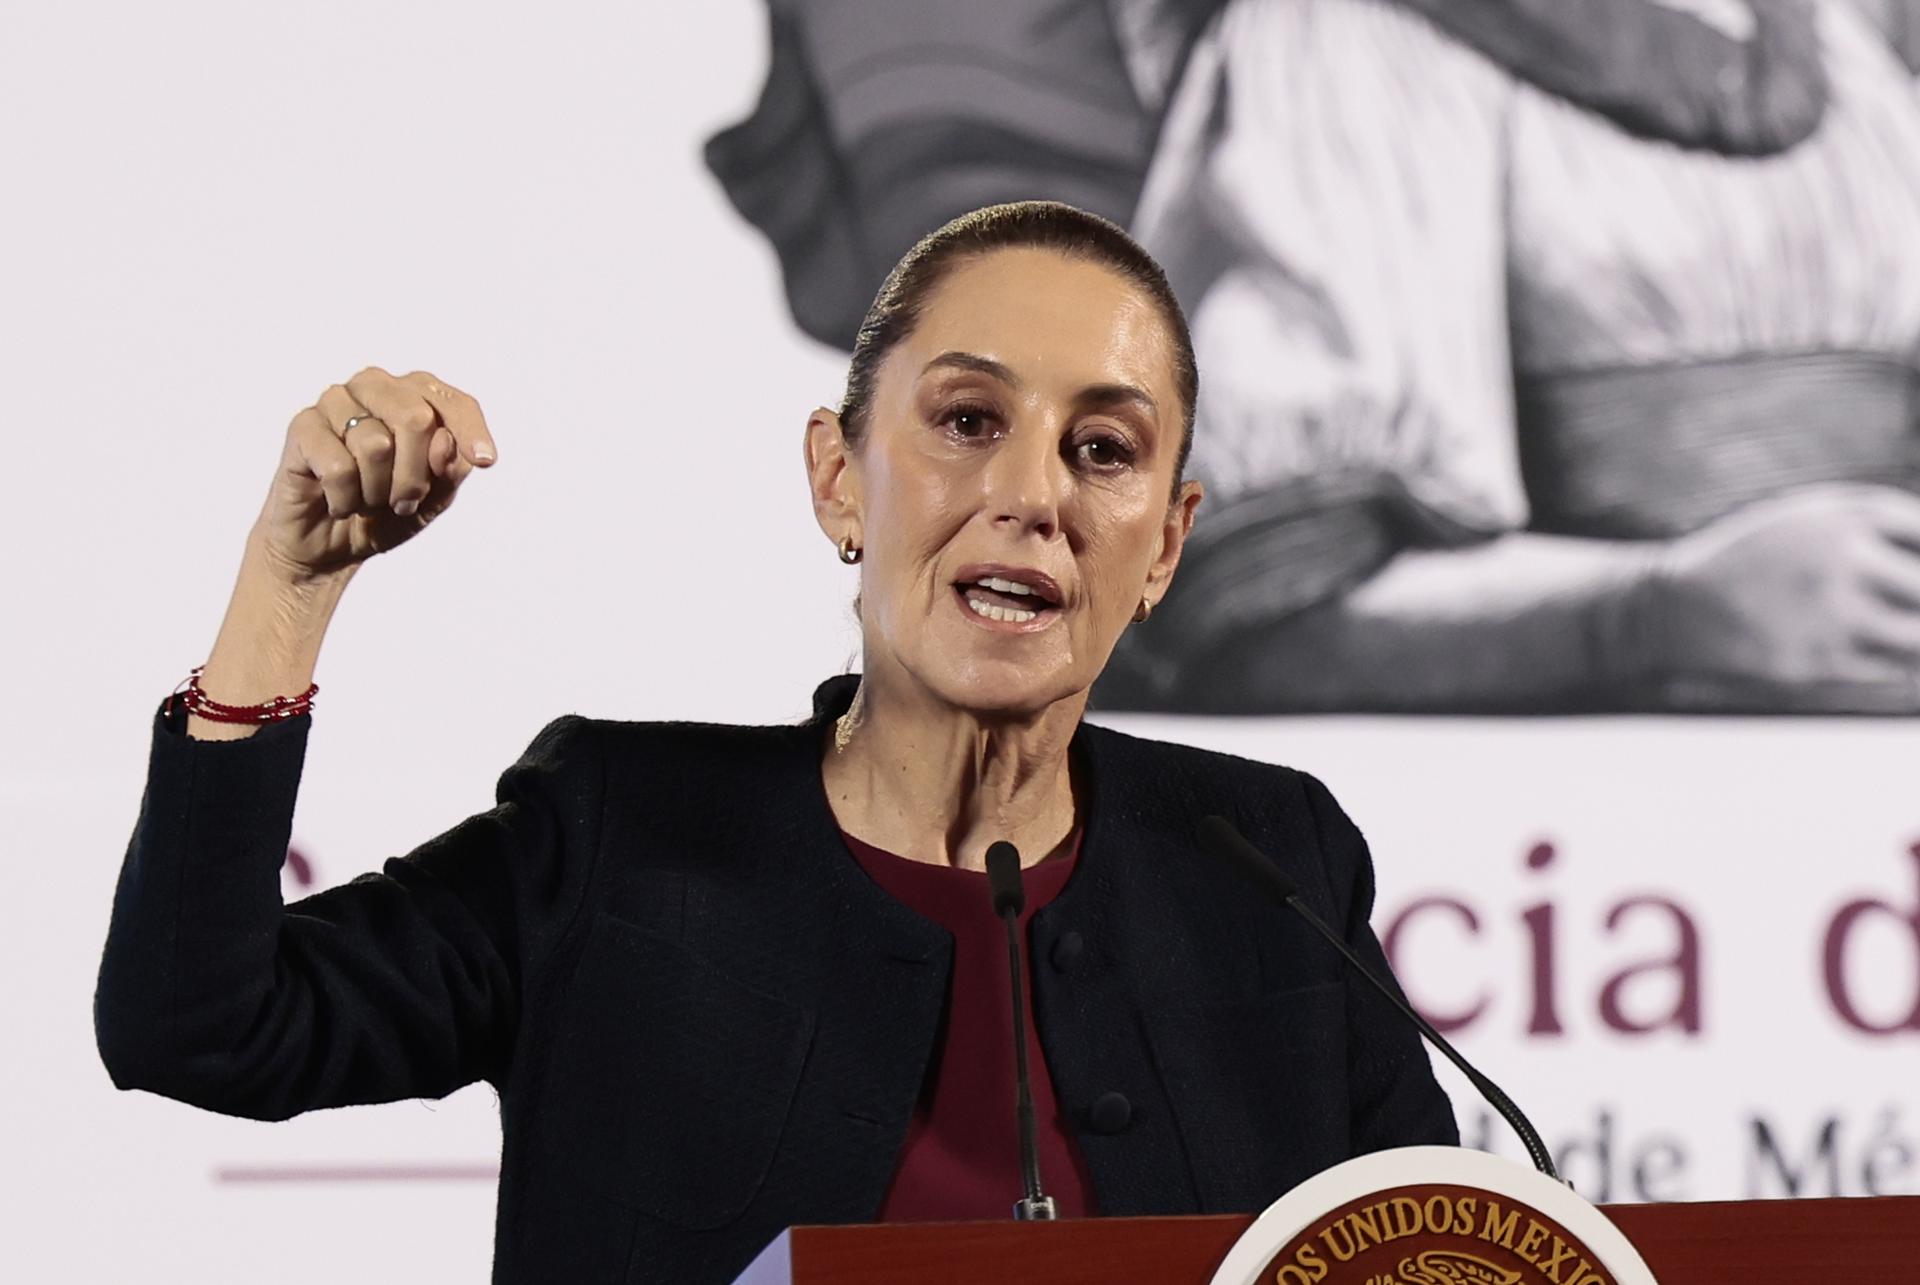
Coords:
pixel 1688 943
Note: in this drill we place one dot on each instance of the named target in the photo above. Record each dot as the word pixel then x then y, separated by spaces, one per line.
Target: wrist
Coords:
pixel 1632 658
pixel 276 620
pixel 277 575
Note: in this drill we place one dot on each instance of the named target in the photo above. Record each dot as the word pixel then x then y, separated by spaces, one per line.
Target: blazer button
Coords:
pixel 1110 1113
pixel 1067 950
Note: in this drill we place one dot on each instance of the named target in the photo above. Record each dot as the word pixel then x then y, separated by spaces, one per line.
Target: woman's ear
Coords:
pixel 1173 538
pixel 832 477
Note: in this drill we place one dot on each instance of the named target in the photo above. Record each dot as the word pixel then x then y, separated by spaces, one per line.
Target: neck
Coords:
pixel 915 776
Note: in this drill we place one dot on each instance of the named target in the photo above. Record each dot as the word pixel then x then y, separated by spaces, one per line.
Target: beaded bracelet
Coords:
pixel 280 707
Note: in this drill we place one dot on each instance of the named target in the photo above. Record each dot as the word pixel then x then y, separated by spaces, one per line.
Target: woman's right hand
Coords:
pixel 341 497
pixel 1808 600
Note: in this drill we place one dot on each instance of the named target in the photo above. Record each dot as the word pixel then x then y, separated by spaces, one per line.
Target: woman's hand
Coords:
pixel 1809 600
pixel 341 497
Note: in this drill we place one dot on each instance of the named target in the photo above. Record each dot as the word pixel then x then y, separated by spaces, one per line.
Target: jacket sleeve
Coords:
pixel 1396 1100
pixel 402 983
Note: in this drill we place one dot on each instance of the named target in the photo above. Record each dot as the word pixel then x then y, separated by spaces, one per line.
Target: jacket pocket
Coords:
pixel 1259 1089
pixel 671 1081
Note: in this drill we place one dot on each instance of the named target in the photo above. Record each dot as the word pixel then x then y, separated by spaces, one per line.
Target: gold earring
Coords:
pixel 1141 612
pixel 848 554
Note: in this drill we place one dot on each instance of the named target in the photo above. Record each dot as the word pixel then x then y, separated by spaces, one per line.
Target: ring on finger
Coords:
pixel 357 419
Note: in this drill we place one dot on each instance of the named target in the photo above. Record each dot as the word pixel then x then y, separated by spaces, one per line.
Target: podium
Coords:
pixel 1755 1242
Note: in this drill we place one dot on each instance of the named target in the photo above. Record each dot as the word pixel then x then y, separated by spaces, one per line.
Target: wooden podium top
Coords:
pixel 1755 1242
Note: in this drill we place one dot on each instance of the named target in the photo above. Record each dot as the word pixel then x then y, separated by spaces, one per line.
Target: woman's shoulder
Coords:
pixel 1190 777
pixel 692 744
pixel 1179 755
pixel 621 739
pixel 1164 789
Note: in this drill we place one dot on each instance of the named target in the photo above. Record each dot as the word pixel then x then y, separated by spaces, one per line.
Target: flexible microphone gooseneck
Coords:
pixel 1216 835
pixel 1009 899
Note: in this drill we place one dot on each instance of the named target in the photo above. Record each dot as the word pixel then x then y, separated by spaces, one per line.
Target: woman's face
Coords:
pixel 1011 495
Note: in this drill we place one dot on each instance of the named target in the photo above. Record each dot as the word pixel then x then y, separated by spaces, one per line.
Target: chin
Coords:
pixel 1003 688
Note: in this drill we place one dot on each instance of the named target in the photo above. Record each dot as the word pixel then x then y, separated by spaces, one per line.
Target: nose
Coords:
pixel 1024 483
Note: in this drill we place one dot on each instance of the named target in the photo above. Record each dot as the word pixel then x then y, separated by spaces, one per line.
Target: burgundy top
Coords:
pixel 962 1155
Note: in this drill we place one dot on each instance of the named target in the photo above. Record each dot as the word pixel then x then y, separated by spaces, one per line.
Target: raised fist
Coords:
pixel 344 493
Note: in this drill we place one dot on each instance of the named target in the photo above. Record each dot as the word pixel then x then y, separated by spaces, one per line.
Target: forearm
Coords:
pixel 401 983
pixel 197 908
pixel 269 642
pixel 1525 621
pixel 196 916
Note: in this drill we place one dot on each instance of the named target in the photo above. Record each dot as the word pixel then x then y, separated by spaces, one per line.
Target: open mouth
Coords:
pixel 1006 600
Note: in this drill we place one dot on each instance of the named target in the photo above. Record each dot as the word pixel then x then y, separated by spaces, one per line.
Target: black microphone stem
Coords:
pixel 1217 835
pixel 1508 1109
pixel 1009 899
pixel 1029 1152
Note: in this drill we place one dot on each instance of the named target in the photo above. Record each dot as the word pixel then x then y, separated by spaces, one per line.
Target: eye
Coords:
pixel 968 420
pixel 1104 452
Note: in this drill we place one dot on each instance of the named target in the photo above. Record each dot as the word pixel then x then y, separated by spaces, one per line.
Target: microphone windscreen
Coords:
pixel 1003 877
pixel 1217 836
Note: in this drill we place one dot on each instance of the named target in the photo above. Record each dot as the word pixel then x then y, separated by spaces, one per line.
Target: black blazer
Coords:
pixel 705 1022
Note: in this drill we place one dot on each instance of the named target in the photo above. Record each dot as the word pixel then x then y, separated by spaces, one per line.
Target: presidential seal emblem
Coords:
pixel 1432 1216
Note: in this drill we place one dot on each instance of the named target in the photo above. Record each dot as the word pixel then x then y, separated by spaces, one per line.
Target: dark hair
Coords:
pixel 1049 225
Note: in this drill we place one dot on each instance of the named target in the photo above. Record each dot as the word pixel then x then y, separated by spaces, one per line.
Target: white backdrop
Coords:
pixel 214 210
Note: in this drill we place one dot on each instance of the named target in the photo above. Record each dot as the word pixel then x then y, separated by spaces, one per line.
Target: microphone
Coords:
pixel 1009 899
pixel 1217 836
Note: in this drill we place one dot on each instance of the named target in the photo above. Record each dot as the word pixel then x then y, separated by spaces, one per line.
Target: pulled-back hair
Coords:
pixel 1048 225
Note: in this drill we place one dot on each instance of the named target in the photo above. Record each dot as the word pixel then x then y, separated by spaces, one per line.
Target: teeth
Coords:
pixel 1011 614
pixel 1005 586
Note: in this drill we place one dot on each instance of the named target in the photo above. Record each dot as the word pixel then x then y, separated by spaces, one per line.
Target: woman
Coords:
pixel 705 1021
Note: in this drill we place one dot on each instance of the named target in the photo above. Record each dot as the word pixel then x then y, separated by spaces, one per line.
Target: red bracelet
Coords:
pixel 198 702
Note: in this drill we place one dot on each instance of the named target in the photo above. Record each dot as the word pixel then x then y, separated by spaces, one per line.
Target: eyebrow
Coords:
pixel 974 362
pixel 1096 394
pixel 1108 394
